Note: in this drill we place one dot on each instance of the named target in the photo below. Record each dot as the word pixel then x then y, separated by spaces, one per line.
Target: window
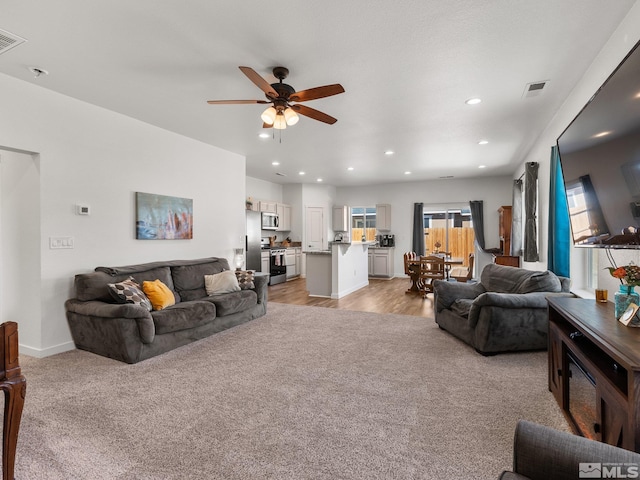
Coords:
pixel 363 223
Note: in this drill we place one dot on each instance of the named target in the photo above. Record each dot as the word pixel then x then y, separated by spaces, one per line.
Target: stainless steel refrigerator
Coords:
pixel 252 247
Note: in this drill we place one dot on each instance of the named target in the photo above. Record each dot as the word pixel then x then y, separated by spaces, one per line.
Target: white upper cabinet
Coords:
pixel 284 217
pixel 341 218
pixel 383 217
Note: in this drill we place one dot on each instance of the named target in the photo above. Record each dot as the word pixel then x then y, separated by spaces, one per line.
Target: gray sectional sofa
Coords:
pixel 131 333
pixel 505 312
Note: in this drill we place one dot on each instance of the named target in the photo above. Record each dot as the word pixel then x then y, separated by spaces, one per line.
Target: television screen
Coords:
pixel 600 159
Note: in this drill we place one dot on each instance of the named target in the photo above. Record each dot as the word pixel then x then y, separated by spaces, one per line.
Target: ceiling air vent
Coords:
pixel 9 40
pixel 534 89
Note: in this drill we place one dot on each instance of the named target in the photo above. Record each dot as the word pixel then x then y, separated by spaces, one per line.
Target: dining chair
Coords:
pixel 409 257
pixel 432 268
pixel 463 274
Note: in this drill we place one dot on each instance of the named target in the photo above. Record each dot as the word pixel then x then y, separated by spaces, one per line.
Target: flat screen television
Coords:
pixel 600 160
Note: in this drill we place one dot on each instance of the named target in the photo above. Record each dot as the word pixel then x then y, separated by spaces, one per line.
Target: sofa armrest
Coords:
pixel 542 453
pixel 95 309
pixel 261 282
pixel 448 292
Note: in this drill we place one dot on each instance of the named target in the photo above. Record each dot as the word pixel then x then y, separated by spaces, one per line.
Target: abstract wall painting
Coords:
pixel 159 217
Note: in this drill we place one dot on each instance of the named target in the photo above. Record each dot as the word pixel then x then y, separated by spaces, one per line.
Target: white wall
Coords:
pixel 94 156
pixel 618 46
pixel 262 190
pixel 20 243
pixel 493 191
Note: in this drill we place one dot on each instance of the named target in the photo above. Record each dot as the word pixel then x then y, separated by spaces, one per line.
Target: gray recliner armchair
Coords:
pixel 505 312
pixel 542 453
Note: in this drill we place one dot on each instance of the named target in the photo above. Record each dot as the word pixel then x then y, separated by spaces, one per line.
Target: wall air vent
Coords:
pixel 534 89
pixel 9 40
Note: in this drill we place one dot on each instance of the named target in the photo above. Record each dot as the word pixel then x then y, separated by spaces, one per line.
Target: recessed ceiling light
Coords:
pixel 407 172
pixel 264 135
pixel 483 142
pixel 319 180
pixel 482 166
pixel 602 134
pixel 350 169
pixel 301 173
pixel 275 163
pixel 473 101
pixel 389 152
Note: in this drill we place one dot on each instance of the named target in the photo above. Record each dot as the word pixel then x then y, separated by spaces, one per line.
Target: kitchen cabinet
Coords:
pixel 266 206
pixel 290 262
pixel 381 262
pixel 340 218
pixel 265 261
pixel 383 217
pixel 284 217
pixel 298 261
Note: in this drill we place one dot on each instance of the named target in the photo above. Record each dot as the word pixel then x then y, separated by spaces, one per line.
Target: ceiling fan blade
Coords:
pixel 266 125
pixel 260 82
pixel 315 114
pixel 318 92
pixel 235 102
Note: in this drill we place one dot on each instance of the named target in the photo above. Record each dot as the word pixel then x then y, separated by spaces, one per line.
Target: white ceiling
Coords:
pixel 407 68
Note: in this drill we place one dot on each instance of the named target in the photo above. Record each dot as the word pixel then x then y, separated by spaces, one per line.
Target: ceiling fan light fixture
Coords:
pixel 280 123
pixel 269 115
pixel 291 116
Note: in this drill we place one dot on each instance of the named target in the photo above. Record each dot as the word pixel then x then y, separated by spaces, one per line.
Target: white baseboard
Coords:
pixel 344 293
pixel 45 352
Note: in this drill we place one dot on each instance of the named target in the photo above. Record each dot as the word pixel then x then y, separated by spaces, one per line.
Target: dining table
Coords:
pixel 414 272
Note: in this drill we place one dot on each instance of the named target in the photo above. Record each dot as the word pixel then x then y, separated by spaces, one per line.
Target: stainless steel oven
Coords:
pixel 278 266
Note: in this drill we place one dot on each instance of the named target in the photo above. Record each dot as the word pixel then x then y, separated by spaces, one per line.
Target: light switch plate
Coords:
pixel 60 242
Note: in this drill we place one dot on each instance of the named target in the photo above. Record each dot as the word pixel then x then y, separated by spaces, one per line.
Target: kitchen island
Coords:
pixel 339 271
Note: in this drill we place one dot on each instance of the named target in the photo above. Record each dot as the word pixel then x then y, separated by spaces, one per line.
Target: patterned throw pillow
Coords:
pixel 128 291
pixel 245 279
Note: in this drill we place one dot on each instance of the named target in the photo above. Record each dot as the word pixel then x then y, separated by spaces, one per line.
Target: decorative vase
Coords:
pixel 624 297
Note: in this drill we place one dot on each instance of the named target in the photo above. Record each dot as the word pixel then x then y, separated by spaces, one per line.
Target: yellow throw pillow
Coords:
pixel 159 294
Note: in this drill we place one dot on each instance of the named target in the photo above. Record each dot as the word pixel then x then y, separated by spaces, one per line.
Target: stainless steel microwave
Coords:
pixel 269 221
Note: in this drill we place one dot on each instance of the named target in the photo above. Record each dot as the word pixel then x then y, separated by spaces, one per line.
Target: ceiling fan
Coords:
pixel 282 112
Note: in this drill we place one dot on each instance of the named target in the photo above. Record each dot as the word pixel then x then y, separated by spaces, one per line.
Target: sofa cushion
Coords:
pixel 128 291
pixel 228 303
pixel 462 306
pixel 223 282
pixel 183 316
pixel 540 282
pixel 158 294
pixel 188 280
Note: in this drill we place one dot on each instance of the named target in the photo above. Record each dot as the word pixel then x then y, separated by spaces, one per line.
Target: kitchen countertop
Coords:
pixel 318 252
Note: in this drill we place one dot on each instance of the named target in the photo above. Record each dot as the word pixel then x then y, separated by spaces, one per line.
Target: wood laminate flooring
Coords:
pixel 380 296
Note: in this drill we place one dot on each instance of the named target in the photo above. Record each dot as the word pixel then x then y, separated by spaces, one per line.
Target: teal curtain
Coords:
pixel 559 244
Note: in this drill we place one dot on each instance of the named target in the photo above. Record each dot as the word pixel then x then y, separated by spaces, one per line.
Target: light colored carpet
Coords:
pixel 301 393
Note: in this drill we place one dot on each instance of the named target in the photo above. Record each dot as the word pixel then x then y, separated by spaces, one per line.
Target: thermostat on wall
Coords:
pixel 83 209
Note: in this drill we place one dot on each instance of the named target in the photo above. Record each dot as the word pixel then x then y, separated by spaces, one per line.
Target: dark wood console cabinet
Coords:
pixel 594 370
